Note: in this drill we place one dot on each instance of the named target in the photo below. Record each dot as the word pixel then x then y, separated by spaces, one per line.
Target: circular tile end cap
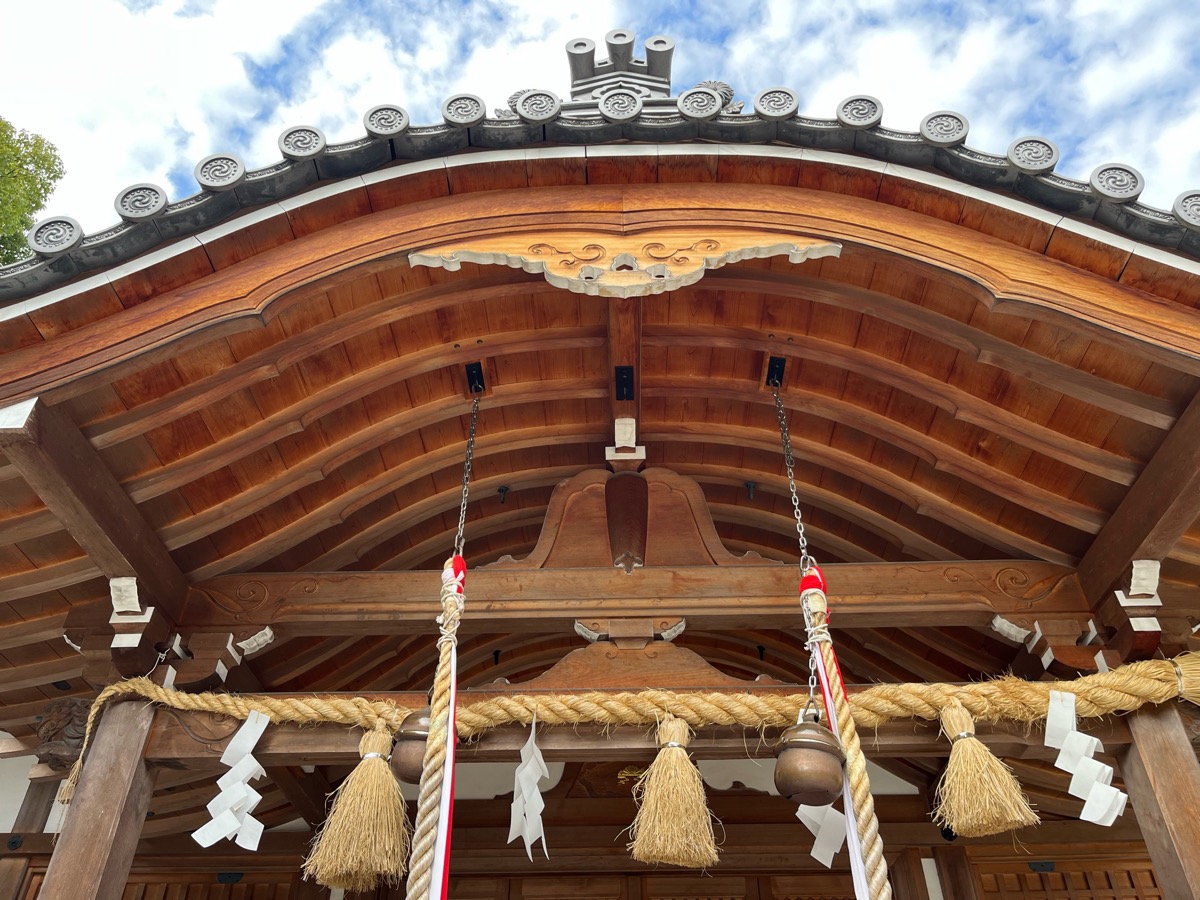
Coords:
pixel 944 128
pixel 140 202
pixel 860 112
pixel 1033 155
pixel 463 110
pixel 1117 182
pixel 302 142
pixel 1187 209
pixel 538 106
pixel 220 172
pixel 700 104
pixel 54 236
pixel 776 104
pixel 620 105
pixel 386 121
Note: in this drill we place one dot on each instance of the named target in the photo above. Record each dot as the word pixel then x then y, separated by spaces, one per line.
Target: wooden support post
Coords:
pixel 32 817
pixel 92 858
pixel 1162 777
pixel 956 874
pixel 908 879
pixel 35 808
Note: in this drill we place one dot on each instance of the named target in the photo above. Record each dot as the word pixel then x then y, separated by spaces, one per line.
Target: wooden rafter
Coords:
pixel 71 479
pixel 1157 510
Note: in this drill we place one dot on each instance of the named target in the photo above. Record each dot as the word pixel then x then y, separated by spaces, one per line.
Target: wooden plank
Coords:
pixel 92 857
pixel 1157 510
pixel 958 878
pixel 1162 777
pixel 72 480
pixel 868 595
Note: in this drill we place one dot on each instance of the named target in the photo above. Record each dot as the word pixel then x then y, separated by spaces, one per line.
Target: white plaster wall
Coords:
pixel 14 778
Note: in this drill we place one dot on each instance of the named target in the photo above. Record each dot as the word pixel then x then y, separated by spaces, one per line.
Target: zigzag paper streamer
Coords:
pixel 1091 780
pixel 527 805
pixel 232 808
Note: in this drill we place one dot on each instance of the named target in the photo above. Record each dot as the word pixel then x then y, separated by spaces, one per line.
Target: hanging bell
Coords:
pixel 408 754
pixel 809 763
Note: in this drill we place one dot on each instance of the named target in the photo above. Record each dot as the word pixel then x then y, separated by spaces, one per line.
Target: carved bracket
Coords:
pixel 624 265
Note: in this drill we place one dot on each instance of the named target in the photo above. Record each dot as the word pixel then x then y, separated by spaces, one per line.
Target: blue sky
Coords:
pixel 140 90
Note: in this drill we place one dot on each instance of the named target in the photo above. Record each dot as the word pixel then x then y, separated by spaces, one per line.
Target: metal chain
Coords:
pixel 790 461
pixel 462 508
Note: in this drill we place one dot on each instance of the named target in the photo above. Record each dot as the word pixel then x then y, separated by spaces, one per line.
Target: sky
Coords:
pixel 140 90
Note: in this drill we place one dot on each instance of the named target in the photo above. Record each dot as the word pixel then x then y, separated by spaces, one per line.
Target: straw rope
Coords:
pixel 1006 699
pixel 865 819
pixel 429 798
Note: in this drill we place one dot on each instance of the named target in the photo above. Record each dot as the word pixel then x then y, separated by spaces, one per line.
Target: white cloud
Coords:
pixel 137 90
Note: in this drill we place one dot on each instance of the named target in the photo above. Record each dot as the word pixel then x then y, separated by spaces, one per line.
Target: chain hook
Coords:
pixel 466 482
pixel 790 461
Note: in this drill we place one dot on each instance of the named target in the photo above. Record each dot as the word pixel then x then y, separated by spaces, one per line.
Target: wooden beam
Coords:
pixel 192 739
pixel 1162 777
pixel 307 792
pixel 866 595
pixel 1157 510
pixel 92 857
pixel 69 476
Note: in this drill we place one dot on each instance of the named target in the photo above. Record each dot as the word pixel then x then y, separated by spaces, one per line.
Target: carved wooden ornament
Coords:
pixel 624 265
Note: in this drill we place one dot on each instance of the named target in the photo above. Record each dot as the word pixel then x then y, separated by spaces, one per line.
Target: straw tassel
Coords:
pixel 673 824
pixel 365 836
pixel 978 794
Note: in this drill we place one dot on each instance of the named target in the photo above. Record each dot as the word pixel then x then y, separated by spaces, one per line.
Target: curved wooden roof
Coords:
pixel 970 379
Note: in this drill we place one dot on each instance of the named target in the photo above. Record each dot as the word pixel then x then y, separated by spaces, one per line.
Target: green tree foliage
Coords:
pixel 29 170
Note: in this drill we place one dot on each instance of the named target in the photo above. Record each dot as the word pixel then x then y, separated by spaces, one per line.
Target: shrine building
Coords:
pixel 671 371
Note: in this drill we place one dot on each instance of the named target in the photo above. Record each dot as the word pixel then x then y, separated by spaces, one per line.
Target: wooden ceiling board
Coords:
pixel 88 307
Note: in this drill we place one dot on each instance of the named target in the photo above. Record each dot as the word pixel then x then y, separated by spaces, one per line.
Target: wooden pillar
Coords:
pixel 1163 780
pixel 908 879
pixel 99 838
pixel 956 874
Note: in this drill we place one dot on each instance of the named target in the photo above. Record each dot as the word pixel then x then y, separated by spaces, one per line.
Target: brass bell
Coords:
pixel 408 755
pixel 809 763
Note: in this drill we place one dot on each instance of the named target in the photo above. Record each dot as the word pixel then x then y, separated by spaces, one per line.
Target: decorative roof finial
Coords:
pixel 649 77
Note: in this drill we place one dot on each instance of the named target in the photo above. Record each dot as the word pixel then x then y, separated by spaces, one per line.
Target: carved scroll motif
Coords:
pixel 624 265
pixel 251 601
